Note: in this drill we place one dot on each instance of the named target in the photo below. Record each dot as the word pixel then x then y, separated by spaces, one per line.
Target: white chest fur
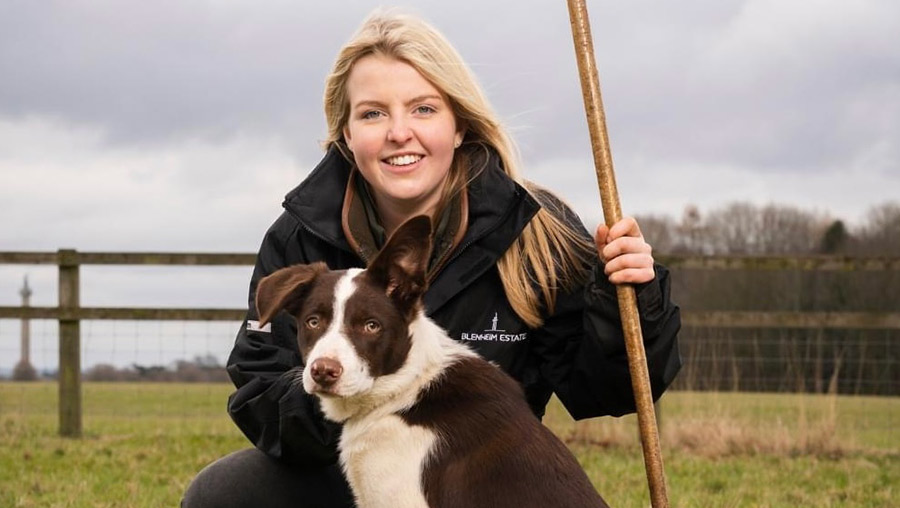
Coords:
pixel 383 459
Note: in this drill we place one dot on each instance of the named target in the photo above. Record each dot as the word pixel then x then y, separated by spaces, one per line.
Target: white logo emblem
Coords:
pixel 494 325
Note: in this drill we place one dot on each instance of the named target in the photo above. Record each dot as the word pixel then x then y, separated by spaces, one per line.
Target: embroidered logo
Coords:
pixel 494 325
pixel 493 334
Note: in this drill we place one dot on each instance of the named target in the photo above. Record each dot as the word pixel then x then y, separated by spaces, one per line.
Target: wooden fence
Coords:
pixel 70 313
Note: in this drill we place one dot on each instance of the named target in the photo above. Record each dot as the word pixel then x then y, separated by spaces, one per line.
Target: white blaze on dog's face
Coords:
pixel 353 326
pixel 327 350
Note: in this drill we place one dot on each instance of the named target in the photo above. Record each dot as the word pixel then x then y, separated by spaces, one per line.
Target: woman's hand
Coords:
pixel 623 250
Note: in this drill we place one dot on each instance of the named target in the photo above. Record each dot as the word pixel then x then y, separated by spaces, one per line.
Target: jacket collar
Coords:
pixel 315 203
pixel 365 235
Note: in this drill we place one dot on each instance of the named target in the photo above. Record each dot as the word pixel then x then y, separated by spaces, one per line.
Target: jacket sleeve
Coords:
pixel 583 346
pixel 269 405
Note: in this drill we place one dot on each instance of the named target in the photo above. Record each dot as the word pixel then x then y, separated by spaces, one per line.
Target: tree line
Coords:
pixel 742 228
pixel 202 369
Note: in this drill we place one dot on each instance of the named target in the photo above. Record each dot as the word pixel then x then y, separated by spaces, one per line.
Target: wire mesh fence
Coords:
pixel 801 360
pixel 759 389
pixel 803 342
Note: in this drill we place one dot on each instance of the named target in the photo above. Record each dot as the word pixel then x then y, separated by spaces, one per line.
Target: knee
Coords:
pixel 244 478
pixel 214 485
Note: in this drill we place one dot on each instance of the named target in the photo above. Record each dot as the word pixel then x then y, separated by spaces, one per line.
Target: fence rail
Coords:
pixel 70 313
pixel 806 263
pixel 712 319
pixel 123 313
pixel 70 256
pixel 809 262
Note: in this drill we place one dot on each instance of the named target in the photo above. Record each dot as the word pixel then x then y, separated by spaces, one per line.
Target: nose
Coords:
pixel 326 371
pixel 399 131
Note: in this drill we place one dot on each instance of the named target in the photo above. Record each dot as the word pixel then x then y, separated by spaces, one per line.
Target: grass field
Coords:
pixel 143 443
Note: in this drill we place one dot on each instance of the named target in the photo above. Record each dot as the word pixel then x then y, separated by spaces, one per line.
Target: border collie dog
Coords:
pixel 427 423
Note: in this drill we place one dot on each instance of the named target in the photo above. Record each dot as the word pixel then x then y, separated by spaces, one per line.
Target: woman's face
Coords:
pixel 402 133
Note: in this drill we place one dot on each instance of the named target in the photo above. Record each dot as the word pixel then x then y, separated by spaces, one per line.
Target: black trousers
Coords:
pixel 249 478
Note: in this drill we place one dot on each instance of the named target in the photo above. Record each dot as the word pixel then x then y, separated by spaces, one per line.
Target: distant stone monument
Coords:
pixel 23 370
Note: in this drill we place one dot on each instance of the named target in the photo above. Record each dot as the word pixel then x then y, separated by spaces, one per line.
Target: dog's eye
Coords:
pixel 372 326
pixel 312 322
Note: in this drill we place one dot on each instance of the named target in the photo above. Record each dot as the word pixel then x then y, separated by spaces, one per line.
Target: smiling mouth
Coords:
pixel 403 160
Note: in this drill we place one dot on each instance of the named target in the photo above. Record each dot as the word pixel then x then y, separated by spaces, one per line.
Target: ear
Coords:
pixel 401 264
pixel 285 289
pixel 347 140
pixel 462 127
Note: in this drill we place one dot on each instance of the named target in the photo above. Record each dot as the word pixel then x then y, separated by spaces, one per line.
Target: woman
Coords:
pixel 513 274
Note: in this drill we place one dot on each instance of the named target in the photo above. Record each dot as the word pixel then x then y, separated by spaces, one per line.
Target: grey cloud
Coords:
pixel 773 85
pixel 162 71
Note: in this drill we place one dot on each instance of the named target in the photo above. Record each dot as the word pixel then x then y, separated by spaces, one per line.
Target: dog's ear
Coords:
pixel 285 289
pixel 401 264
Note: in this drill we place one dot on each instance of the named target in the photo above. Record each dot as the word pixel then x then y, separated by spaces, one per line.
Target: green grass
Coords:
pixel 143 443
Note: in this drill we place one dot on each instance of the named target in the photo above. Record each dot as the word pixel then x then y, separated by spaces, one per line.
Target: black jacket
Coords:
pixel 579 352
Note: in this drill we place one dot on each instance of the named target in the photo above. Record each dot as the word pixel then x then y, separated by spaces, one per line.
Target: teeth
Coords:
pixel 403 160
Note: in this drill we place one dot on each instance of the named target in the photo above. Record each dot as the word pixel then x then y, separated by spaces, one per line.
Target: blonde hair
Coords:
pixel 548 254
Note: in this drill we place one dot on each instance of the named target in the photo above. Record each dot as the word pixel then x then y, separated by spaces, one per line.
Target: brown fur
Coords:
pixel 494 451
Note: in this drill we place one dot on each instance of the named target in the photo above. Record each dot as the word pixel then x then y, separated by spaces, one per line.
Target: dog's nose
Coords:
pixel 325 371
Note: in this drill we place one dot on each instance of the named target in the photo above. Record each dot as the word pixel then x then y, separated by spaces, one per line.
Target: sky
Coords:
pixel 179 125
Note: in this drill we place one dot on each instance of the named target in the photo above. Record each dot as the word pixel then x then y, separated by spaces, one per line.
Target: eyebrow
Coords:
pixel 418 98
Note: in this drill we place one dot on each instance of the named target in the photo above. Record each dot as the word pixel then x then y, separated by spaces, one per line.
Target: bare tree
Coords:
pixel 734 229
pixel 692 235
pixel 660 231
pixel 789 230
pixel 880 236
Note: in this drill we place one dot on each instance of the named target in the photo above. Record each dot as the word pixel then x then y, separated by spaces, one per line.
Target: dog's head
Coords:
pixel 353 325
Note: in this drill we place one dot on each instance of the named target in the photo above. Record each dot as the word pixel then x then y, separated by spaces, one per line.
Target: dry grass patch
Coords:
pixel 723 437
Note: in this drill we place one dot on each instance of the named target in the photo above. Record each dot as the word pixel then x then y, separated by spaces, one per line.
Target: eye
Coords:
pixel 372 326
pixel 312 322
pixel 425 110
pixel 372 114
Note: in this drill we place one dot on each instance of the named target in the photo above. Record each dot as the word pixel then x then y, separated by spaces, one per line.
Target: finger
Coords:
pixel 636 261
pixel 625 245
pixel 601 235
pixel 625 227
pixel 601 238
pixel 632 276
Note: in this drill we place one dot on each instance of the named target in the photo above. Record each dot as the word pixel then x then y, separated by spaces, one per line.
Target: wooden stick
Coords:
pixel 612 212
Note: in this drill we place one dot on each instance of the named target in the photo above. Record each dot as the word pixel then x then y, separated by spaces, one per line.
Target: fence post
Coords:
pixel 69 346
